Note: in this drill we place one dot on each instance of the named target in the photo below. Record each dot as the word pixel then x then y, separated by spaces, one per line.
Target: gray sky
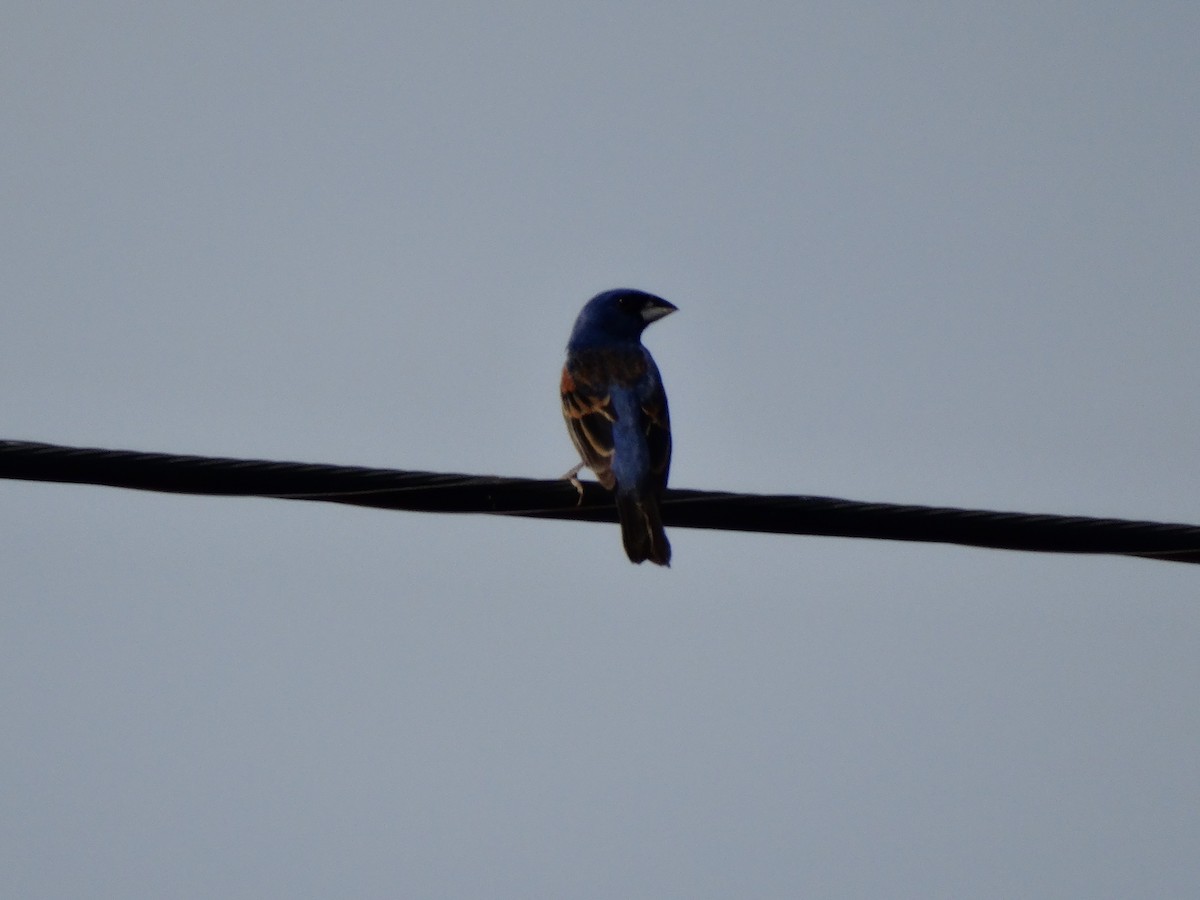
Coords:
pixel 922 253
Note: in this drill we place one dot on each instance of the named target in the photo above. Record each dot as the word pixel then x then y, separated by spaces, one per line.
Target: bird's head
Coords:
pixel 616 316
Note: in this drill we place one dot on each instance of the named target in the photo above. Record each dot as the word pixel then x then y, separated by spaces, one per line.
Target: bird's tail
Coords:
pixel 642 529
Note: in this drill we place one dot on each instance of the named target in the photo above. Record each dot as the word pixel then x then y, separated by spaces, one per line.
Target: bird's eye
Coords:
pixel 630 304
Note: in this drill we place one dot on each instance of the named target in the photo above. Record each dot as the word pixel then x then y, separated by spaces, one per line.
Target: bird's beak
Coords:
pixel 656 309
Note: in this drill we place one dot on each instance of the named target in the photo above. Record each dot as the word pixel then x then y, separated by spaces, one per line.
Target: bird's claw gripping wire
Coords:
pixel 573 477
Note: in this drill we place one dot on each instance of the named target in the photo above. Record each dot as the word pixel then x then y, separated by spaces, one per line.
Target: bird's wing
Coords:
pixel 588 410
pixel 657 427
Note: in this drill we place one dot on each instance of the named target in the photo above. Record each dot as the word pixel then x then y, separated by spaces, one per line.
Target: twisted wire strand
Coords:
pixel 558 499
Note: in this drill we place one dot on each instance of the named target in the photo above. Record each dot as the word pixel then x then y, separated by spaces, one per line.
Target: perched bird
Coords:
pixel 616 412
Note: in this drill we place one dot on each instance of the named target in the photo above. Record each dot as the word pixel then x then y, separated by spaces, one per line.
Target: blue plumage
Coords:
pixel 616 412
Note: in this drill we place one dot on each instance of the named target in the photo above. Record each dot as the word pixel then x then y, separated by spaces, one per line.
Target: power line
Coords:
pixel 558 499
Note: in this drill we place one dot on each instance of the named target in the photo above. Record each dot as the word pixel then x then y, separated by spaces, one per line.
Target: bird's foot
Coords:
pixel 573 477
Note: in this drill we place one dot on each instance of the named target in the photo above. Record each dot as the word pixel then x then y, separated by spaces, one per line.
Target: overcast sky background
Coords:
pixel 926 253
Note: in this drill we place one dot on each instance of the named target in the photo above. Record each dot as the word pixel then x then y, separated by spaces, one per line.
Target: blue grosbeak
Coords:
pixel 616 412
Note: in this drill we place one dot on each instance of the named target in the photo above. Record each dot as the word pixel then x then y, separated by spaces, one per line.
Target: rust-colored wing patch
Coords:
pixel 589 416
